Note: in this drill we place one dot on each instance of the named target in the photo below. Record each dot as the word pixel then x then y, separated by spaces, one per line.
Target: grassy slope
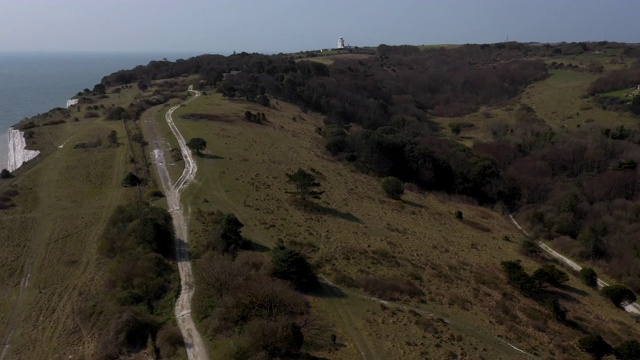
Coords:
pixel 66 196
pixel 361 233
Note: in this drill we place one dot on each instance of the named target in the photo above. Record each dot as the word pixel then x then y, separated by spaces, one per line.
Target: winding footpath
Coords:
pixel 192 339
pixel 633 308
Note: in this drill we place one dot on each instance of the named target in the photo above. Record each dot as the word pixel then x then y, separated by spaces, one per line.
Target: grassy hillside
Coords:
pixel 454 298
pixel 53 279
pixel 49 237
pixel 414 278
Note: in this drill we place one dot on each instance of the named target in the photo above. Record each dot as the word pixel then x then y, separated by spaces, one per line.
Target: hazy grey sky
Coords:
pixel 289 25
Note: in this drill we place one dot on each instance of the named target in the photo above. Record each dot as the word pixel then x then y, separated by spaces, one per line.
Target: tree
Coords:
pixel 618 294
pixel 197 144
pixel 455 128
pixel 595 345
pixel 113 137
pixel 305 184
pixel 518 277
pixel 5 174
pixel 529 246
pixel 99 89
pixel 392 186
pixel 290 265
pixel 634 107
pixel 118 113
pixel 230 233
pixel 593 247
pixel 551 275
pixel 589 276
pixel 131 180
pixel 628 350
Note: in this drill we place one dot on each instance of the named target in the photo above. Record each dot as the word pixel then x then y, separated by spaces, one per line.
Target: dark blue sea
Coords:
pixel 32 83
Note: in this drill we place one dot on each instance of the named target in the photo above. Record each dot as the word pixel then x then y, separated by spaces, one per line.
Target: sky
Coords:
pixel 273 26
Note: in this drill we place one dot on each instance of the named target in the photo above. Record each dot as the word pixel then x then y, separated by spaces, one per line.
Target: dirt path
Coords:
pixel 633 308
pixel 366 348
pixel 192 339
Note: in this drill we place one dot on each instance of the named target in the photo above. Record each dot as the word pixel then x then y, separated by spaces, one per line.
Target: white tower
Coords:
pixel 340 43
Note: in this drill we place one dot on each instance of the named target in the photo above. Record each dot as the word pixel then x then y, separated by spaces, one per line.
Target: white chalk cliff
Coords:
pixel 72 102
pixel 18 154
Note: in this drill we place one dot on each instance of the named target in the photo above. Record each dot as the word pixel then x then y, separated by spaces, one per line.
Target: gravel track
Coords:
pixel 193 341
pixel 633 308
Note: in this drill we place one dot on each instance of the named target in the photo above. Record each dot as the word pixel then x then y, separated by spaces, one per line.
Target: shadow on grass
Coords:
pixel 327 290
pixel 315 208
pixel 209 156
pixel 338 214
pixel 476 225
pixel 413 204
pixel 576 326
pixel 250 245
pixel 573 290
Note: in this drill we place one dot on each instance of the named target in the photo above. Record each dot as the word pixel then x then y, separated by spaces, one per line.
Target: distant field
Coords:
pixel 359 233
pixel 560 100
pixel 620 93
pixel 330 59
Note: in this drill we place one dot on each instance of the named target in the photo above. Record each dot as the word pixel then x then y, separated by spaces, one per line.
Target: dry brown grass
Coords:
pixel 50 236
pixel 360 234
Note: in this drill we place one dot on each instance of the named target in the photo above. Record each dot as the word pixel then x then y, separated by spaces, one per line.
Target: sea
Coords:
pixel 35 82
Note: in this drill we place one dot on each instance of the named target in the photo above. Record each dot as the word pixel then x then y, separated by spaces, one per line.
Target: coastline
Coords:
pixel 4 149
pixel 18 153
pixel 16 145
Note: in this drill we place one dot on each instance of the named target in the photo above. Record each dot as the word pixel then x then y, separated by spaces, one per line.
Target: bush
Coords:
pixel 618 294
pixel 518 277
pixel 5 174
pixel 131 180
pixel 551 275
pixel 529 247
pixel 259 297
pixel 169 340
pixel 153 194
pixel 628 350
pixel 118 113
pixel 290 265
pixel 389 288
pixel 279 339
pixel 336 144
pixel 392 187
pixel 91 115
pixel 589 276
pixel 228 239
pixel 595 345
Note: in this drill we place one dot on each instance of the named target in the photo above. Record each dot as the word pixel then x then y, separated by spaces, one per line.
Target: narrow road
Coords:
pixel 633 308
pixel 192 339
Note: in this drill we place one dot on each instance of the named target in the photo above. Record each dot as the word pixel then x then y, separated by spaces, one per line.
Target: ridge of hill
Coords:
pixel 426 275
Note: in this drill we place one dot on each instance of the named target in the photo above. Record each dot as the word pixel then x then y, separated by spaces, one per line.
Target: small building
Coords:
pixel 340 43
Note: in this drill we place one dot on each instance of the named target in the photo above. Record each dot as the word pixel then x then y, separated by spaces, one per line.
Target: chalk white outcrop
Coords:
pixel 18 154
pixel 72 102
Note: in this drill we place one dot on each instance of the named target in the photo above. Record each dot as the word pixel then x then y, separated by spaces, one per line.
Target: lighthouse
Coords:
pixel 340 43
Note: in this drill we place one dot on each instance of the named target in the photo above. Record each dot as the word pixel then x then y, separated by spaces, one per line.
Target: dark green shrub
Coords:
pixel 290 265
pixel 618 294
pixel 589 276
pixel 392 187
pixel 5 174
pixel 595 345
pixel 131 180
pixel 628 350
